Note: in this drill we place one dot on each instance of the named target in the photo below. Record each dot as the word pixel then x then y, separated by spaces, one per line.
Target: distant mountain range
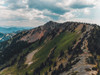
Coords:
pixel 12 29
pixel 7 33
pixel 4 37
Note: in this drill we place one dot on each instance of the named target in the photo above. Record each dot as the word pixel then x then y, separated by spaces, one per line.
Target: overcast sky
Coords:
pixel 32 13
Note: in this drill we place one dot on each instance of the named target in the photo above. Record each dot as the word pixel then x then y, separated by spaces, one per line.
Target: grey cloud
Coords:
pixel 43 4
pixel 14 18
pixel 15 4
pixel 47 5
pixel 81 5
pixel 37 4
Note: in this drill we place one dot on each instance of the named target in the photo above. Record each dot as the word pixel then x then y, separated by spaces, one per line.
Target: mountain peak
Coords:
pixel 58 48
pixel 51 23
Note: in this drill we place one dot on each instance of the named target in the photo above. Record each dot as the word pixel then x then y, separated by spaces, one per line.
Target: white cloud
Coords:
pixel 67 16
pixel 18 12
pixel 86 11
pixel 1 2
pixel 21 13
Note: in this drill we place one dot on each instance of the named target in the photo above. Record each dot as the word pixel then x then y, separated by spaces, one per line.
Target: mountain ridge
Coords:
pixel 53 49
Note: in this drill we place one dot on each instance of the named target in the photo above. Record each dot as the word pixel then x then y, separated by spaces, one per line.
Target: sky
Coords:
pixel 33 13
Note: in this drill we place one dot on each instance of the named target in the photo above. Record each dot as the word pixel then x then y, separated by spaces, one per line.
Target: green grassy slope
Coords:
pixel 61 42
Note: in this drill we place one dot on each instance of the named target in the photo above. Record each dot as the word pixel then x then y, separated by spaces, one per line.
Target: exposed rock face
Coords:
pixel 68 48
pixel 33 35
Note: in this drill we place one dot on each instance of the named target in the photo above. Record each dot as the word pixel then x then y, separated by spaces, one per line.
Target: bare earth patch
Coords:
pixel 30 56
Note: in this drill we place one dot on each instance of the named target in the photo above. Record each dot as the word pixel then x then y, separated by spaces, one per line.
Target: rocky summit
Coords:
pixel 70 48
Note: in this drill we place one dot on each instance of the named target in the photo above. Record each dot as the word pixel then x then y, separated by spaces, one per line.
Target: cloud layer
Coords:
pixel 37 12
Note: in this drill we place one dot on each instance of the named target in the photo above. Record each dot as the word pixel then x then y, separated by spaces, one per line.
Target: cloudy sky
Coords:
pixel 32 13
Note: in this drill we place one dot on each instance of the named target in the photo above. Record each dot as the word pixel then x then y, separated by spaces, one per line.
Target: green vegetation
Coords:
pixel 56 52
pixel 61 42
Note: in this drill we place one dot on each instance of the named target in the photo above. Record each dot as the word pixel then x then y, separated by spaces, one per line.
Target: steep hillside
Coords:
pixel 69 48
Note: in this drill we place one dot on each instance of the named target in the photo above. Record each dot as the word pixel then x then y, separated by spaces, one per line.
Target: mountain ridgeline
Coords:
pixel 69 48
